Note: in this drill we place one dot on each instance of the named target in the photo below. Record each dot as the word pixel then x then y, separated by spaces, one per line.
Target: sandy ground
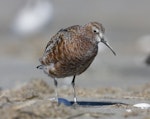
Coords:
pixel 32 101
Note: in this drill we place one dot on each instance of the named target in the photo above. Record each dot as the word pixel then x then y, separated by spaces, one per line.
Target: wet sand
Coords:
pixel 32 101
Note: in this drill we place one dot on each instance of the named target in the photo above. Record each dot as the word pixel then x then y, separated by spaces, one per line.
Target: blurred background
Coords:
pixel 27 25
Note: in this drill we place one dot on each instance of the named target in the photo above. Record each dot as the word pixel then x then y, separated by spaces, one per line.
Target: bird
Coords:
pixel 27 21
pixel 71 51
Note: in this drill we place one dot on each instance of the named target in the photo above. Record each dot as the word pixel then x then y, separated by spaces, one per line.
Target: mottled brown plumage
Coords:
pixel 71 51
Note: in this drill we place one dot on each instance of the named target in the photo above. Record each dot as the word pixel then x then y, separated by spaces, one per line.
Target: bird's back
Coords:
pixel 63 34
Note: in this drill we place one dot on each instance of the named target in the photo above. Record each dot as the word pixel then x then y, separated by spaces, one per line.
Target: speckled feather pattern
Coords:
pixel 71 51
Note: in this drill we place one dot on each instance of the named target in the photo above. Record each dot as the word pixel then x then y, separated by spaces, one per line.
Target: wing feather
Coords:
pixel 65 33
pixel 51 48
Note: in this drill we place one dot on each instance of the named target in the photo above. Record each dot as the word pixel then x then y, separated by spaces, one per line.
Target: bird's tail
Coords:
pixel 39 67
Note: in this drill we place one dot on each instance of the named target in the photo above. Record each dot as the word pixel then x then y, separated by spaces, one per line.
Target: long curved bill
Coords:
pixel 106 43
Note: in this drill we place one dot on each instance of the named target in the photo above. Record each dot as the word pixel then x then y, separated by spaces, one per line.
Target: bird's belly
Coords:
pixel 67 68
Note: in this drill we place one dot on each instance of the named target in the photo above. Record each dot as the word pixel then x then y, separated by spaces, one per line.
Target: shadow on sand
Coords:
pixel 89 103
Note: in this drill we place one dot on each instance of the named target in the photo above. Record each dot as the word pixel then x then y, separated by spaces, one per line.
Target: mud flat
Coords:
pixel 32 101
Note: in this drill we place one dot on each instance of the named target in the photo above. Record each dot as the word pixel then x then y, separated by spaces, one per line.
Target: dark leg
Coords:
pixel 56 93
pixel 74 91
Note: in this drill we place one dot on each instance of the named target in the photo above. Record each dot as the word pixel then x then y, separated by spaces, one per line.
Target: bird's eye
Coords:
pixel 95 30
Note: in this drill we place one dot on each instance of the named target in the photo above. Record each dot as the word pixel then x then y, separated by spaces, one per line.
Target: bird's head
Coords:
pixel 97 31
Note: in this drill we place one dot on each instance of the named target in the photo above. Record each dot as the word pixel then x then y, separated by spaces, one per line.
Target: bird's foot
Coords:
pixel 75 105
